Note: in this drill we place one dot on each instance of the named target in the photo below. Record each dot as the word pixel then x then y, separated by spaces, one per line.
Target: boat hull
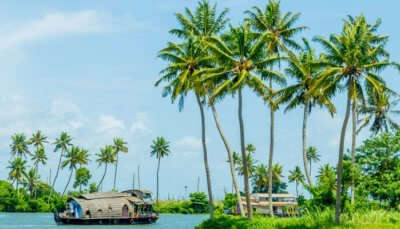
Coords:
pixel 106 221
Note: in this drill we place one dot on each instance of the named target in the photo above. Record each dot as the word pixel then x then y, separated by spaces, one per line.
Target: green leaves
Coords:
pixel 160 148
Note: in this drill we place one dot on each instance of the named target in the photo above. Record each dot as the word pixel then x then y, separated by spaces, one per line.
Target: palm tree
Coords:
pixel 312 155
pixel 251 165
pixel 240 58
pixel 377 110
pixel 119 146
pixel 74 157
pixel 31 181
pixel 19 145
pixel 38 139
pixel 39 157
pixel 260 178
pixel 355 56
pixel 278 30
pixel 18 171
pixel 159 149
pixel 296 176
pixel 106 156
pixel 304 68
pixel 62 143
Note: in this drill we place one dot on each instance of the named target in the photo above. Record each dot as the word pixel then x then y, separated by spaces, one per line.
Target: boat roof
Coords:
pixel 137 190
pixel 102 195
pixel 277 195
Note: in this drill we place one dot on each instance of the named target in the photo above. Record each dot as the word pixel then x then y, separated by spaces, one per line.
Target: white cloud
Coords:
pixel 108 123
pixel 188 143
pixel 140 125
pixel 53 25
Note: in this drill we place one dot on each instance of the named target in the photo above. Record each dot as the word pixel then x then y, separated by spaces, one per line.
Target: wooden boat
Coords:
pixel 128 207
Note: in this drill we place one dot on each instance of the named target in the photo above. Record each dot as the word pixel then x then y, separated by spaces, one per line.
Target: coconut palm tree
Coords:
pixel 159 149
pixel 296 176
pixel 119 146
pixel 19 146
pixel 74 157
pixel 251 165
pixel 278 30
pixel 39 157
pixel 312 156
pixel 38 139
pixel 355 57
pixel 260 178
pixel 377 111
pixel 62 144
pixel 17 171
pixel 304 68
pixel 240 58
pixel 106 156
pixel 31 181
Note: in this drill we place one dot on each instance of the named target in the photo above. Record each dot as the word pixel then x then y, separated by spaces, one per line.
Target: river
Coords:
pixel 45 220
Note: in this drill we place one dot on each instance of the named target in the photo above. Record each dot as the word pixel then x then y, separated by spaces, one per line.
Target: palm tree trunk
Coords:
pixel 231 165
pixel 17 189
pixel 244 158
pixel 340 160
pixel 115 173
pixel 271 154
pixel 307 171
pixel 310 168
pixel 158 176
pixel 297 190
pixel 69 180
pixel 353 146
pixel 58 169
pixel 203 141
pixel 104 175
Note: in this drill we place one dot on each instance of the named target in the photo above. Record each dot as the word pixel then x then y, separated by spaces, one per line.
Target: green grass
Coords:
pixel 314 220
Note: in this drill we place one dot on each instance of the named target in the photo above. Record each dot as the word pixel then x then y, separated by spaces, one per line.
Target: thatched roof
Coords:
pixel 103 208
pixel 101 195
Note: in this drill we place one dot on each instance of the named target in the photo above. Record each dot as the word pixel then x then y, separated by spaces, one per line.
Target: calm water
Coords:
pixel 39 221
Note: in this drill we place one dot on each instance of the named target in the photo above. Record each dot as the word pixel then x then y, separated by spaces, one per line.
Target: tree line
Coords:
pixel 213 60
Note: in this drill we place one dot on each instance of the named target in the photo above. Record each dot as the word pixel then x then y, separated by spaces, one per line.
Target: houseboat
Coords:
pixel 127 207
pixel 282 204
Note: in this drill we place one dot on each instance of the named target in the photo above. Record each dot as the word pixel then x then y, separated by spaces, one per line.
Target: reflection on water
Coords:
pixel 45 220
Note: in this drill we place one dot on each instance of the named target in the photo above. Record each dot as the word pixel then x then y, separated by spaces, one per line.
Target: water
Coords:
pixel 45 220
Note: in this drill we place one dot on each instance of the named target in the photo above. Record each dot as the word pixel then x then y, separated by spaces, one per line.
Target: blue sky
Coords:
pixel 88 67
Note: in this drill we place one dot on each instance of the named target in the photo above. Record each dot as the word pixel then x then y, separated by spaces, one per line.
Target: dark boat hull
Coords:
pixel 106 221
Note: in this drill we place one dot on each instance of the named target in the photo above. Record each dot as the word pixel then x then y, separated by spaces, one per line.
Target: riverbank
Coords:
pixel 317 220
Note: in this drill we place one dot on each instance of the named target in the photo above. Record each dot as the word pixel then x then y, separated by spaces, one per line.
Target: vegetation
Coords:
pixel 197 204
pixel 159 149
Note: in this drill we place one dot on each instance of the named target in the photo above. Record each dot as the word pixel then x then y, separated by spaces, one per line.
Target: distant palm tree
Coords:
pixel 296 176
pixel 312 155
pixel 18 171
pixel 119 146
pixel 19 146
pixel 39 157
pixel 159 149
pixel 38 139
pixel 260 177
pixel 74 157
pixel 106 156
pixel 32 181
pixel 62 143
pixel 251 165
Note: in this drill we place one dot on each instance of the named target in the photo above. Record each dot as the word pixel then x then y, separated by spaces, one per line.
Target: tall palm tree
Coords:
pixel 240 58
pixel 159 149
pixel 19 146
pixel 278 30
pixel 62 144
pixel 106 156
pixel 304 68
pixel 38 139
pixel 17 171
pixel 355 57
pixel 251 165
pixel 296 176
pixel 377 111
pixel 31 181
pixel 39 157
pixel 119 146
pixel 74 157
pixel 312 156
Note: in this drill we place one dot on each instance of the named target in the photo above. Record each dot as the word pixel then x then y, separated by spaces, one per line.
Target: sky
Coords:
pixel 89 68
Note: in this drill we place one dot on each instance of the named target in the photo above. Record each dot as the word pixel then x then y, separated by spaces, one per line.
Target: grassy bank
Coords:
pixel 370 219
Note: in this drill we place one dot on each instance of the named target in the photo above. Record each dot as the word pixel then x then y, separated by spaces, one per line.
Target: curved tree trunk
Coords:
pixel 353 146
pixel 158 174
pixel 115 173
pixel 231 165
pixel 244 158
pixel 340 160
pixel 58 169
pixel 203 141
pixel 104 175
pixel 69 180
pixel 307 170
